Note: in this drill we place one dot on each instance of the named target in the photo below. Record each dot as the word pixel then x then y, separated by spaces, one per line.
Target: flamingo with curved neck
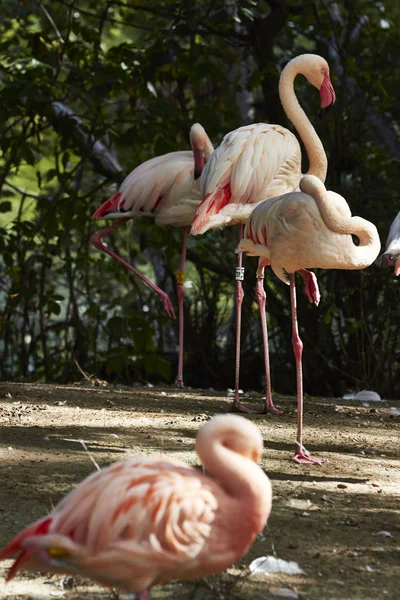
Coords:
pixel 166 188
pixel 257 162
pixel 145 521
pixel 311 228
pixel 312 68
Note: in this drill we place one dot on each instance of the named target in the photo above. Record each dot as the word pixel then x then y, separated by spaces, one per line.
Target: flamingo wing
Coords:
pixel 153 186
pixel 252 163
pixel 281 228
pixel 124 525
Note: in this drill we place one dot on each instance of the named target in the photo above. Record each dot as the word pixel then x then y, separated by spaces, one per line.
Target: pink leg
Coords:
pixel 145 595
pixel 311 285
pixel 261 300
pixel 301 455
pixel 239 299
pixel 180 280
pixel 96 239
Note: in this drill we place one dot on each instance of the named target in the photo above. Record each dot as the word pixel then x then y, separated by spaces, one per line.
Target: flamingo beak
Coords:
pixel 327 95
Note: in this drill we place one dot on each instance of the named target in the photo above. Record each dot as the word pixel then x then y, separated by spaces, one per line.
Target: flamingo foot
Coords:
pixel 239 407
pixel 166 302
pixel 270 408
pixel 303 457
pixel 179 382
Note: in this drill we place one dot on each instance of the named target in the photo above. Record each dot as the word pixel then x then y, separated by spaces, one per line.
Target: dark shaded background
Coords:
pixel 88 90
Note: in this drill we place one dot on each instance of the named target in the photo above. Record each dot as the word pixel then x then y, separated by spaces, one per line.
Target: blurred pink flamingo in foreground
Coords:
pixel 391 256
pixel 166 188
pixel 145 521
pixel 257 162
pixel 312 229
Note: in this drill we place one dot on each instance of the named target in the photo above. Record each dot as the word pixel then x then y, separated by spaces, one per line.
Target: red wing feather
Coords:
pixel 14 546
pixel 109 206
pixel 212 204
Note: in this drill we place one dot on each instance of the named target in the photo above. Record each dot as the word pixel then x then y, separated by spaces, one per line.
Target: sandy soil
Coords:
pixel 328 518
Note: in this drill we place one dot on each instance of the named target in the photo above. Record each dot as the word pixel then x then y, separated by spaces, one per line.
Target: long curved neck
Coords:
pixel 208 148
pixel 318 163
pixel 240 477
pixel 365 253
pixel 202 148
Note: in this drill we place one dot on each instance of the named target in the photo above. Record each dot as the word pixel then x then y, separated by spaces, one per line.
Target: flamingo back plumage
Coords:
pixel 146 507
pixel 297 237
pixel 251 164
pixel 154 188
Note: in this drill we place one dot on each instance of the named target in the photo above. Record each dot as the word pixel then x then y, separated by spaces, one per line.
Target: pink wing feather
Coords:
pixel 154 187
pixel 251 164
pixel 122 525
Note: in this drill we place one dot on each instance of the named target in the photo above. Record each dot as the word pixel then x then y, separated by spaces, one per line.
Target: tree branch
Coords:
pixel 69 125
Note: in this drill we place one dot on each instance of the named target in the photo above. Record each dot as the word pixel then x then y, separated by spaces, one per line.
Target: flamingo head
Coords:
pixel 235 433
pixel 391 256
pixel 316 70
pixel 199 142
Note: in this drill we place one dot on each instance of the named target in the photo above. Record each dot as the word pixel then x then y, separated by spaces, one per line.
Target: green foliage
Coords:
pixel 90 90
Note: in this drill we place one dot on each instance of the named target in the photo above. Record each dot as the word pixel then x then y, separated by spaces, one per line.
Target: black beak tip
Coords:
pixel 385 260
pixel 323 111
pixel 197 174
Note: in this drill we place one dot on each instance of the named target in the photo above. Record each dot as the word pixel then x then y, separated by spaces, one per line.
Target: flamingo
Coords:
pixel 311 228
pixel 166 188
pixel 257 162
pixel 145 521
pixel 391 256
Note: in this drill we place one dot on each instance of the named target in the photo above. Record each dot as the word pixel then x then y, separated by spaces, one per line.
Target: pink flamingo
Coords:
pixel 145 521
pixel 257 162
pixel 166 188
pixel 391 256
pixel 311 228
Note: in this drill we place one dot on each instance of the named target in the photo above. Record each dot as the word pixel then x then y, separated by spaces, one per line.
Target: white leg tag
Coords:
pixel 239 274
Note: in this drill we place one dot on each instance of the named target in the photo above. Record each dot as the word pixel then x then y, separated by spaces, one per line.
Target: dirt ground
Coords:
pixel 339 521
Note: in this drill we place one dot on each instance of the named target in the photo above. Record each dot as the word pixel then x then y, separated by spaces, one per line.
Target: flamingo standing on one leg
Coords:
pixel 257 162
pixel 313 229
pixel 391 256
pixel 166 188
pixel 145 521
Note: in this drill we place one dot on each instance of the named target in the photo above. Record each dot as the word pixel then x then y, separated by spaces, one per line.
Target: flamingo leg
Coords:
pixel 239 294
pixel 96 239
pixel 301 455
pixel 311 286
pixel 180 280
pixel 261 301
